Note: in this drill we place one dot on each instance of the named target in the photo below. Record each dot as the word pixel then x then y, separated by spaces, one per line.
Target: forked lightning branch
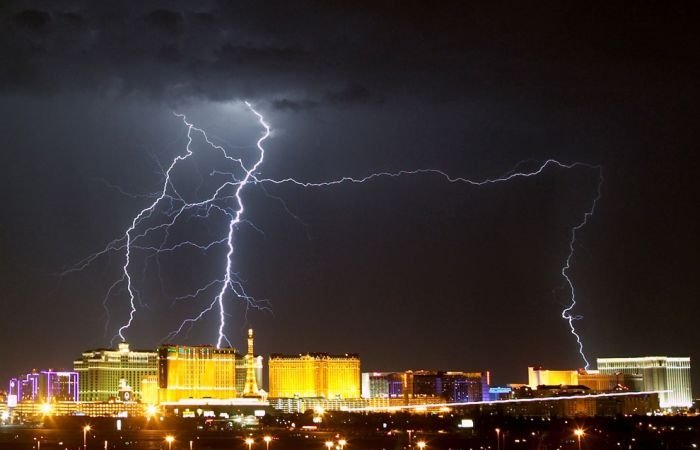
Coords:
pixel 229 198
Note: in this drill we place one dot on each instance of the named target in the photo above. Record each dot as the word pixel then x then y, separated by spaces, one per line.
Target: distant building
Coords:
pixel 440 385
pixel 500 393
pixel 603 382
pixel 186 371
pixel 659 373
pixel 465 386
pixel 314 375
pixel 538 376
pixel 105 374
pixel 592 379
pixel 383 384
pixel 45 386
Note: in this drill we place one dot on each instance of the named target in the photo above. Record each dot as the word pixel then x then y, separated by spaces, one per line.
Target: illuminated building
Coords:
pixel 315 375
pixel 658 373
pixel 104 372
pixel 45 386
pixel 603 382
pixel 537 376
pixel 195 372
pixel 383 384
pixel 466 386
pixel 448 386
pixel 500 393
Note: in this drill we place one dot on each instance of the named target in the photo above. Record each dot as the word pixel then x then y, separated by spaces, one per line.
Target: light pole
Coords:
pixel 421 445
pixel 579 434
pixel 191 442
pixel 341 443
pixel 169 439
pixel 86 428
pixel 498 438
pixel 267 440
pixel 250 442
pixel 329 445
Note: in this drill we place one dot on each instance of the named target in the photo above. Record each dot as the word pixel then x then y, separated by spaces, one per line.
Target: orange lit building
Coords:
pixel 537 376
pixel 195 372
pixel 315 375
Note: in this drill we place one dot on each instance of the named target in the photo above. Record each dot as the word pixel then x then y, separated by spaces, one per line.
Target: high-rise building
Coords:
pixel 465 386
pixel 196 372
pixel 383 384
pixel 103 373
pixel 46 386
pixel 314 375
pixel 659 373
pixel 448 386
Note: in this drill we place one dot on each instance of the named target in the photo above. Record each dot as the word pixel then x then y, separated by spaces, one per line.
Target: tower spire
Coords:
pixel 251 385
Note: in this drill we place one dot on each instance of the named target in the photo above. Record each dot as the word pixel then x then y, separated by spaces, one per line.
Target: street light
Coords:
pixel 498 438
pixel 421 445
pixel 250 442
pixel 169 439
pixel 341 443
pixel 267 440
pixel 86 428
pixel 329 445
pixel 579 434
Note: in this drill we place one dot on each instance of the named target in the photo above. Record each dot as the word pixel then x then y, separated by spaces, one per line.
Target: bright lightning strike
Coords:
pixel 510 176
pixel 228 281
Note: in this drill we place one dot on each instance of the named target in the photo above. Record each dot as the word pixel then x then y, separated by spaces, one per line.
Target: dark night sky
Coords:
pixel 410 273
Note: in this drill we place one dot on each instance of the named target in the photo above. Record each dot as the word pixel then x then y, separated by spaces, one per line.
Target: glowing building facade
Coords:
pixel 314 375
pixel 659 373
pixel 195 372
pixel 103 373
pixel 45 386
pixel 538 376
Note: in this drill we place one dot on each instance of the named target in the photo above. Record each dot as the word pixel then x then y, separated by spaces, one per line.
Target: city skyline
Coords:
pixel 466 277
pixel 207 371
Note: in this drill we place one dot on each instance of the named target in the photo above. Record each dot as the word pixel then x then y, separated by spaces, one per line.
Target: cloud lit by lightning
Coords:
pixel 229 199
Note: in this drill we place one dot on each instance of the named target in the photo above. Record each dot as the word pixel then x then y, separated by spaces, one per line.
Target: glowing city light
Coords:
pixel 249 442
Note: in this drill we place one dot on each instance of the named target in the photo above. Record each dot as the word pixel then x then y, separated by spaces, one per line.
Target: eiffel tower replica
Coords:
pixel 251 385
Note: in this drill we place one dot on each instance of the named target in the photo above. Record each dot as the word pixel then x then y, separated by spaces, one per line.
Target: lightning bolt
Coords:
pixel 228 282
pixel 566 312
pixel 509 176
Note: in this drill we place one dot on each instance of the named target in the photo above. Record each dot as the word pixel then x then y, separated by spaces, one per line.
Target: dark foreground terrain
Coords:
pixel 374 431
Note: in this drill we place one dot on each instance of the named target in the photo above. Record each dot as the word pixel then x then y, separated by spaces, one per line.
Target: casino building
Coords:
pixel 659 373
pixel 107 374
pixel 315 375
pixel 45 386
